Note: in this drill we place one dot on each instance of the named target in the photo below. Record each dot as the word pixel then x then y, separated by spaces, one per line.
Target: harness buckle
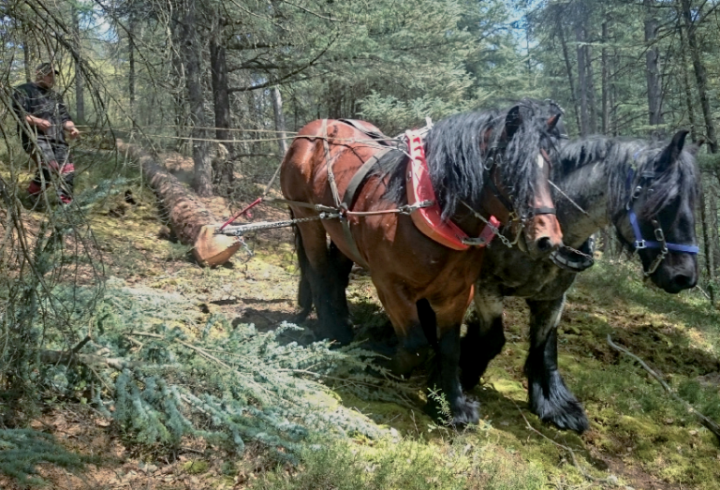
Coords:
pixel 640 244
pixel 659 235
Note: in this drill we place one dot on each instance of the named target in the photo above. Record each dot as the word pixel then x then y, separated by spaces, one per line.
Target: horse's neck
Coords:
pixel 588 188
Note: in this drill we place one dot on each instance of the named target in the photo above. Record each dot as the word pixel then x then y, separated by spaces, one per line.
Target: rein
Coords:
pixel 660 243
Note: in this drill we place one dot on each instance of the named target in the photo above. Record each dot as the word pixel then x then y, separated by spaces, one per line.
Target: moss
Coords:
pixel 195 467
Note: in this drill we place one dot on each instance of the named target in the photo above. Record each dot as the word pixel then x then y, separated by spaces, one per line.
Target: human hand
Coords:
pixel 42 124
pixel 72 130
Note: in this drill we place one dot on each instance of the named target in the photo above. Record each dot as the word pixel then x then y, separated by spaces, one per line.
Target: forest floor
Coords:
pixel 639 438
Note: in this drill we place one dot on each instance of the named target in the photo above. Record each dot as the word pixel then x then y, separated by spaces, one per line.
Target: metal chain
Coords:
pixel 656 263
pixel 494 228
pixel 577 252
pixel 266 225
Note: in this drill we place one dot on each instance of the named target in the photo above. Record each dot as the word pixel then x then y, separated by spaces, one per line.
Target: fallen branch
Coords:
pixel 72 358
pixel 577 466
pixel 706 422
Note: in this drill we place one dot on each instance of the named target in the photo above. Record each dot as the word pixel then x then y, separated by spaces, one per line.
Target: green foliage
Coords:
pixel 227 384
pixel 21 450
pixel 407 465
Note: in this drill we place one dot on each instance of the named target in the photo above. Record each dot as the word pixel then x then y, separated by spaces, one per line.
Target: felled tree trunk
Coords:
pixel 191 221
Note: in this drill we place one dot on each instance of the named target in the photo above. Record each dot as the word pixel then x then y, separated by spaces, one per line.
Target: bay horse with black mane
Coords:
pixel 647 190
pixel 483 164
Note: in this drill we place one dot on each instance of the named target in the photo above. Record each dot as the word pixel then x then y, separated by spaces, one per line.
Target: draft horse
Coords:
pixel 480 164
pixel 647 190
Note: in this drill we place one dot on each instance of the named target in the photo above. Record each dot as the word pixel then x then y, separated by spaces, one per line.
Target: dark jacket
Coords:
pixel 30 98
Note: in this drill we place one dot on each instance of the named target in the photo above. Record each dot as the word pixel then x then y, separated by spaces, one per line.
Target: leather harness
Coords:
pixel 422 204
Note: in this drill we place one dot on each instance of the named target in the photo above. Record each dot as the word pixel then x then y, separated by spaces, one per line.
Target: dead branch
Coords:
pixel 71 358
pixel 706 422
pixel 577 466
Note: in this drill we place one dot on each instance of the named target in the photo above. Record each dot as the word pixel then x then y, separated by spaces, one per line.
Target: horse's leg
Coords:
pixel 446 375
pixel 549 397
pixel 485 337
pixel 322 269
pixel 413 346
pixel 341 266
pixel 305 299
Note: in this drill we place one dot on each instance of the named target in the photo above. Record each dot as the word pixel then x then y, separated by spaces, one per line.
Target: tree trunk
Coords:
pixel 592 106
pixel 279 121
pixel 687 89
pixel 568 68
pixel 131 64
pixel 700 75
pixel 191 221
pixel 652 61
pixel 193 50
pixel 224 170
pixel 706 246
pixel 79 85
pixel 26 56
pixel 580 37
pixel 605 108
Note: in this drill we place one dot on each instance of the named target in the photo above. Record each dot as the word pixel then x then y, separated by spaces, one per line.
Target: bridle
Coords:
pixel 660 243
pixel 498 194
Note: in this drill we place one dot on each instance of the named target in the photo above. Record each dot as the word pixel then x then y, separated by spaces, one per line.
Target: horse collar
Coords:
pixel 429 219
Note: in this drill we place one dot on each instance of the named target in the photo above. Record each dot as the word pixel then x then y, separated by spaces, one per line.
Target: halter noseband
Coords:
pixel 659 242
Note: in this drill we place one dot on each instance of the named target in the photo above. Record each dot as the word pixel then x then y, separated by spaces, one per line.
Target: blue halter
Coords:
pixel 659 241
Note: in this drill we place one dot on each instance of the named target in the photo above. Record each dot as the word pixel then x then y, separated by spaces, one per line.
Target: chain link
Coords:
pixel 240 230
pixel 495 230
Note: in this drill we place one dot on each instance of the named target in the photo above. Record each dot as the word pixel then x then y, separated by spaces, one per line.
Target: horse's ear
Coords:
pixel 552 121
pixel 671 153
pixel 695 147
pixel 513 121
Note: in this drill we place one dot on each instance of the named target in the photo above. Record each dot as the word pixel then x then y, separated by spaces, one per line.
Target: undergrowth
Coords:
pixel 21 450
pixel 169 377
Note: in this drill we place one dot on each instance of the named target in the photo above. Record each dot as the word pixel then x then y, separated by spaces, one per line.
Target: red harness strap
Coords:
pixel 429 219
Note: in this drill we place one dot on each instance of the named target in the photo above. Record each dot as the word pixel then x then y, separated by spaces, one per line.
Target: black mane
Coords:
pixel 456 159
pixel 620 155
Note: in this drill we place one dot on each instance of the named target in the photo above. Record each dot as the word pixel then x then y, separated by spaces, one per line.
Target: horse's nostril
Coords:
pixel 544 244
pixel 684 281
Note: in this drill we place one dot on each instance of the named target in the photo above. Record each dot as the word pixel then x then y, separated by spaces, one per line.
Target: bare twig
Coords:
pixel 706 422
pixel 566 448
pixel 80 345
pixel 57 357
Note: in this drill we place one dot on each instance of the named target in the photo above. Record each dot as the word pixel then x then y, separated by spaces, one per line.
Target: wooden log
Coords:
pixel 191 221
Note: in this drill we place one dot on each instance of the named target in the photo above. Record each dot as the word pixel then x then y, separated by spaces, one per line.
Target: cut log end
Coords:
pixel 213 250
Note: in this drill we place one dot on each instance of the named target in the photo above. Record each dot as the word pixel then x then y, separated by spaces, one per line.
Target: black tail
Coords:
pixel 304 291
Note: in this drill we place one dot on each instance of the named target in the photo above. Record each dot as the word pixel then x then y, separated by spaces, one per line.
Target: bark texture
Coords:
pixel 190 220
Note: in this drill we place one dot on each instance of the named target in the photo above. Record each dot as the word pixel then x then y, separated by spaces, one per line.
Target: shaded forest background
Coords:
pixel 188 75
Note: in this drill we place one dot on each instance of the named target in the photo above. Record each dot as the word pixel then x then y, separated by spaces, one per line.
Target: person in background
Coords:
pixel 44 120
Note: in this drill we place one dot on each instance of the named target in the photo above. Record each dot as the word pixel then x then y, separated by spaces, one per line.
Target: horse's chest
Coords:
pixel 523 278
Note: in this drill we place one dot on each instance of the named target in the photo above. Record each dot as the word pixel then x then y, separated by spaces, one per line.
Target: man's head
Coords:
pixel 45 75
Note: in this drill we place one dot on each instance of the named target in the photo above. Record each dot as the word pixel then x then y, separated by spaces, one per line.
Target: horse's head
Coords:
pixel 658 220
pixel 518 174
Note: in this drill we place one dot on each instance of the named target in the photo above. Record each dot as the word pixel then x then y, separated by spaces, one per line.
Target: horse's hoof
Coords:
pixel 570 417
pixel 465 412
pixel 561 408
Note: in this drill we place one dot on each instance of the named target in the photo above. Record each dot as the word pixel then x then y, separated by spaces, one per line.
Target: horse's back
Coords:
pixel 303 173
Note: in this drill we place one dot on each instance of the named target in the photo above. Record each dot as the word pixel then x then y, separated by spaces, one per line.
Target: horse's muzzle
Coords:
pixel 542 235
